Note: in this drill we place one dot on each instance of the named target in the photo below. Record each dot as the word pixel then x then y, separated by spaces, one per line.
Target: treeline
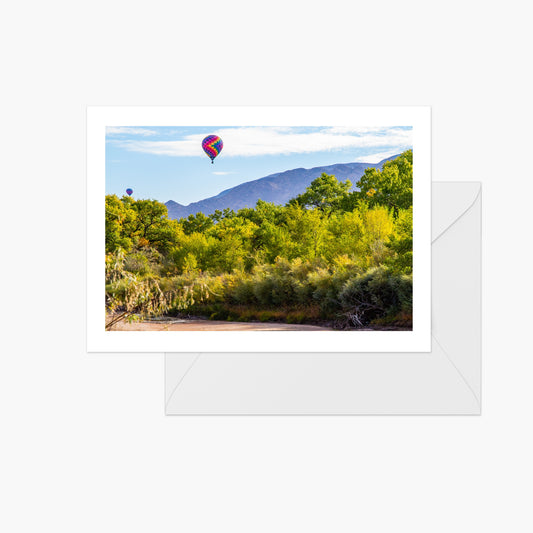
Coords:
pixel 327 255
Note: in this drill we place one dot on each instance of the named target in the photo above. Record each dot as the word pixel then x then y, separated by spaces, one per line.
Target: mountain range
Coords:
pixel 276 188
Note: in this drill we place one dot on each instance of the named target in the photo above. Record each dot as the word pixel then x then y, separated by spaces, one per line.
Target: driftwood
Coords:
pixel 117 319
pixel 355 317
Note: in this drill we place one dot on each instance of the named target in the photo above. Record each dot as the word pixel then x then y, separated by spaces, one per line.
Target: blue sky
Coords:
pixel 168 163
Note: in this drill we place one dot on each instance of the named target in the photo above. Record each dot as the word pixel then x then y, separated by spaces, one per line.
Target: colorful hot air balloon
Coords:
pixel 129 192
pixel 212 146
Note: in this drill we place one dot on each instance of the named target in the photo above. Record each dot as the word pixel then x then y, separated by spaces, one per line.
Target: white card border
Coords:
pixel 417 340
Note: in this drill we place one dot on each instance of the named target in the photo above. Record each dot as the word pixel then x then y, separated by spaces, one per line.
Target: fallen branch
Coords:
pixel 116 319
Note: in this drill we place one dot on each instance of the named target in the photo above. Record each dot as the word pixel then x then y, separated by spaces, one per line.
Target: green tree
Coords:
pixel 262 212
pixel 219 215
pixel 325 193
pixel 198 223
pixel 392 186
pixel 401 243
pixel 152 225
pixel 195 245
pixel 233 243
pixel 362 235
pixel 271 240
pixel 307 232
pixel 119 219
pixel 345 233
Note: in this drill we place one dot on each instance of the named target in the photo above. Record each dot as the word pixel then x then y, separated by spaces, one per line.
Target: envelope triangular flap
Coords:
pixel 453 202
pixel 456 280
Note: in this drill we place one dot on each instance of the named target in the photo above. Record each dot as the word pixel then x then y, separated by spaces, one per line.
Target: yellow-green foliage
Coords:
pixel 325 250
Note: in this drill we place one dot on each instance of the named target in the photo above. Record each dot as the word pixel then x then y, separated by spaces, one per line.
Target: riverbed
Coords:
pixel 210 325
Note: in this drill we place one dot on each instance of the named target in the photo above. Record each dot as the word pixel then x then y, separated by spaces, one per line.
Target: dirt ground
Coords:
pixel 210 325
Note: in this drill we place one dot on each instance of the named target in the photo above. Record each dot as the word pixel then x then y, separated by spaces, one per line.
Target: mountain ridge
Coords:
pixel 277 188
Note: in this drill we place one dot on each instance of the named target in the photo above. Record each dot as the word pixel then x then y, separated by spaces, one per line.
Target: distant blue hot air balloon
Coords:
pixel 129 192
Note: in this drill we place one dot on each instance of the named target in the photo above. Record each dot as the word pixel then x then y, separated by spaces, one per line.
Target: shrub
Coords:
pixel 377 294
pixel 265 316
pixel 222 314
pixel 296 317
pixel 242 292
pixel 137 263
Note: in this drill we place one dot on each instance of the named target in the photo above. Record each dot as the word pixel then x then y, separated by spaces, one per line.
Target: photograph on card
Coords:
pixel 263 228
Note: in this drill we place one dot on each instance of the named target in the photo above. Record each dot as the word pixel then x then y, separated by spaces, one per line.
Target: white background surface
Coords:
pixel 85 446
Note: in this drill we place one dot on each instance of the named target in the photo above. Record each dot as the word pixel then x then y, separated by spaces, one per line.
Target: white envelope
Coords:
pixel 446 380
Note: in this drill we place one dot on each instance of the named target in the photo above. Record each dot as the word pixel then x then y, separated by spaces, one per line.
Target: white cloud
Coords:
pixel 218 173
pixel 376 158
pixel 254 141
pixel 116 130
pixel 363 130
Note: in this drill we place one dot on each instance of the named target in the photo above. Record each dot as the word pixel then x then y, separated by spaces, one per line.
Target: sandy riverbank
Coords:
pixel 211 325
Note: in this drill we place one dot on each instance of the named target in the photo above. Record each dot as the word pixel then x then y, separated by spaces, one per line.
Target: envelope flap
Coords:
pixel 450 203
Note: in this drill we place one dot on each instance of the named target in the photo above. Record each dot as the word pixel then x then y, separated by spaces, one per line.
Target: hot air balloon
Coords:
pixel 129 192
pixel 212 146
